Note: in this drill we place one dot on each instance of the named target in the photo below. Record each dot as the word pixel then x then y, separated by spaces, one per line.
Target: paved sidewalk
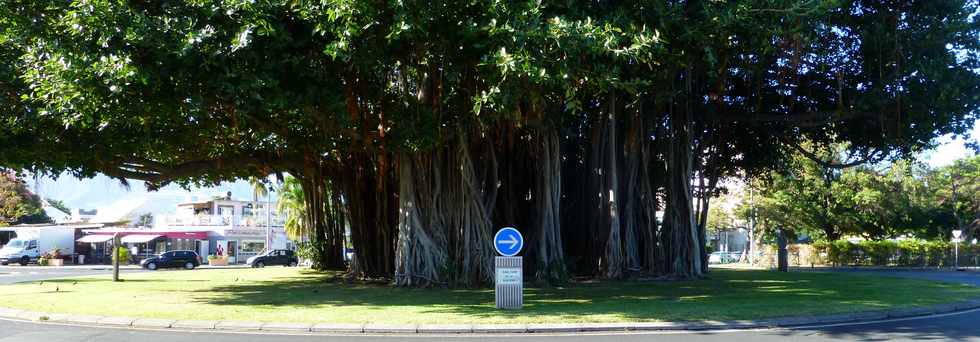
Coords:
pixel 14 268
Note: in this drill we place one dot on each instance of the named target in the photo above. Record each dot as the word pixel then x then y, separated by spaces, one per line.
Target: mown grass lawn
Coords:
pixel 299 295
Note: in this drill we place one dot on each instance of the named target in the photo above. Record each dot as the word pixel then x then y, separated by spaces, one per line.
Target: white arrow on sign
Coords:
pixel 513 241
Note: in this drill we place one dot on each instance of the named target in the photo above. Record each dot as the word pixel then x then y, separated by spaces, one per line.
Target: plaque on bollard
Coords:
pixel 509 289
pixel 509 269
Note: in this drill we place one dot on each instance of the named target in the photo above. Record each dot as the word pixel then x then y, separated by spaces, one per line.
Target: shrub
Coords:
pixel 123 253
pixel 910 252
pixel 878 253
pixel 937 253
pixel 306 251
pixel 842 252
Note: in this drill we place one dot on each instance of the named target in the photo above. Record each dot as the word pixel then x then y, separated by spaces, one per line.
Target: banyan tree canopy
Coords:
pixel 599 128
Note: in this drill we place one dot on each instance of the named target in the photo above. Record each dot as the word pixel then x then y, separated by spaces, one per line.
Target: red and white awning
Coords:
pixel 138 238
pixel 95 238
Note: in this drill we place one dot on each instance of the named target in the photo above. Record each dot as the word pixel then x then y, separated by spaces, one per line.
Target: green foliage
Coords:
pixel 235 90
pixel 292 205
pixel 306 251
pixel 123 253
pixel 874 202
pixel 202 92
pixel 720 219
pixel 878 252
pixel 956 190
pixel 17 204
pixel 909 252
pixel 145 220
pixel 60 205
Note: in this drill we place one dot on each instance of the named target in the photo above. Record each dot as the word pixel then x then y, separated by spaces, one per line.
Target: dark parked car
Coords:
pixel 275 257
pixel 186 259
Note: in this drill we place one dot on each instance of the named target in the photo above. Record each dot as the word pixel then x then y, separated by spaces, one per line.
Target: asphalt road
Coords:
pixel 17 274
pixel 959 327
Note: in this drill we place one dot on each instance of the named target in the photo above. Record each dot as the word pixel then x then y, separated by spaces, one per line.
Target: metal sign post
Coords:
pixel 509 269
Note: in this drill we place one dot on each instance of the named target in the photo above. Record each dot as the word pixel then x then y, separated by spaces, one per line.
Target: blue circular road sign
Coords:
pixel 508 241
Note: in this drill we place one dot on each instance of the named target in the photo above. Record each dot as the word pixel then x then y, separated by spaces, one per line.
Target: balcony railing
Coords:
pixel 258 220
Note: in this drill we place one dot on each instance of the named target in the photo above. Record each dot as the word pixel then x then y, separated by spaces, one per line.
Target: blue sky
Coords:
pixel 102 191
pixel 951 149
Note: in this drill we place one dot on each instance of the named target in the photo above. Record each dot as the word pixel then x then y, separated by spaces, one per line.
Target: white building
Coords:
pixel 221 226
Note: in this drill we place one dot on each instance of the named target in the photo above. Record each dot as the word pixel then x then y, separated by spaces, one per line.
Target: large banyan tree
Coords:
pixel 600 129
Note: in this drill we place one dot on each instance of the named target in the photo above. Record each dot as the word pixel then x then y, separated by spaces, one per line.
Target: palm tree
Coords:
pixel 293 206
pixel 259 188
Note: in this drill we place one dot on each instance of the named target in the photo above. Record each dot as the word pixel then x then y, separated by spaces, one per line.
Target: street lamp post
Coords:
pixel 741 231
pixel 956 247
pixel 726 242
pixel 268 219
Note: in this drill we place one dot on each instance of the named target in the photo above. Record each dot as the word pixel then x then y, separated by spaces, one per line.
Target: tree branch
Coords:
pixel 803 120
pixel 157 174
pixel 830 164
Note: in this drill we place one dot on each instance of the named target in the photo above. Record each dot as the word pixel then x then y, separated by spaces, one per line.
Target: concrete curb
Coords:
pixel 238 326
pixel 288 327
pixel 372 328
pixel 152 323
pixel 117 321
pixel 338 328
pixel 194 325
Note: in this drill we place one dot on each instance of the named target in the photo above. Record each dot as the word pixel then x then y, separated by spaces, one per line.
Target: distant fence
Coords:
pixel 906 253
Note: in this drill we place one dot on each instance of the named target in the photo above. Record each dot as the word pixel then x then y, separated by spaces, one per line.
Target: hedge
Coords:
pixel 911 252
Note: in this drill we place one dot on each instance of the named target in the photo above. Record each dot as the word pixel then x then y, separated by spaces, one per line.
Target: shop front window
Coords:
pixel 250 249
pixel 253 247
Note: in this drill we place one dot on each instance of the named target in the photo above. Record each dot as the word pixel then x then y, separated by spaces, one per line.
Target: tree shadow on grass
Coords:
pixel 723 298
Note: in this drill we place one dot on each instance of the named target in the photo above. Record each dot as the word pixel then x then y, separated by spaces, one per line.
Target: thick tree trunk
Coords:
pixel 612 266
pixel 323 216
pixel 550 255
pixel 468 213
pixel 369 199
pixel 686 242
pixel 633 196
pixel 652 246
pixel 422 252
pixel 707 182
